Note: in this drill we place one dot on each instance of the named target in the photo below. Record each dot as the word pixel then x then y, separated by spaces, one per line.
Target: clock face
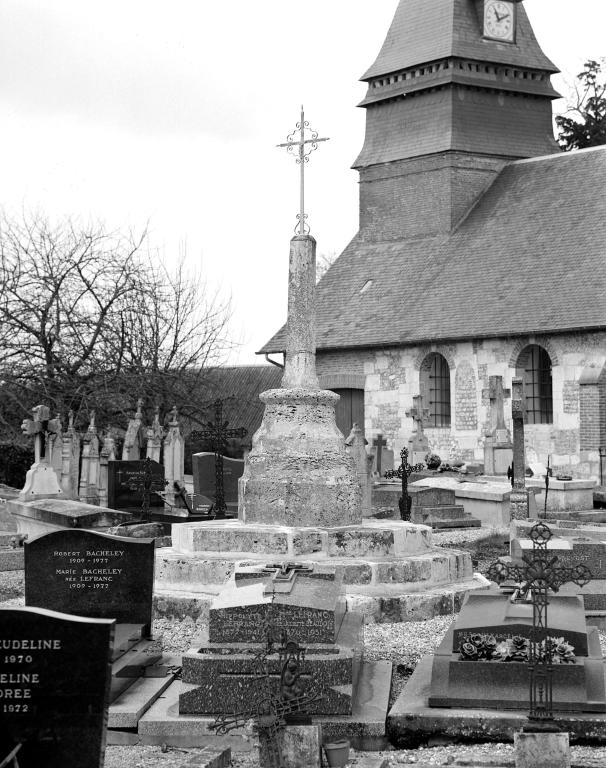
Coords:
pixel 499 20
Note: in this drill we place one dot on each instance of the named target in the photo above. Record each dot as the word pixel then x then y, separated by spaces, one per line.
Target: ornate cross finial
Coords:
pixel 305 146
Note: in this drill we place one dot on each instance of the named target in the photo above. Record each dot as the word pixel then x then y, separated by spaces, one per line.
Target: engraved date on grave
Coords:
pixel 86 571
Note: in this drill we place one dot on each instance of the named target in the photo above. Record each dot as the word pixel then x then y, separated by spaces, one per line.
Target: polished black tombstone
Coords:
pixel 91 574
pixel 54 687
pixel 125 485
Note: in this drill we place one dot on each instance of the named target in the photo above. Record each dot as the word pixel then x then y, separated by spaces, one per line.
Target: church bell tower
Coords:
pixel 459 88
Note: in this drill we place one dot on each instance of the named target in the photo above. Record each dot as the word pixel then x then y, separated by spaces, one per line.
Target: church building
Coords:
pixel 481 250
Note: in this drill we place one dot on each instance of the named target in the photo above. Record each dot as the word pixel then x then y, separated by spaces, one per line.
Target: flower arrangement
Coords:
pixel 484 647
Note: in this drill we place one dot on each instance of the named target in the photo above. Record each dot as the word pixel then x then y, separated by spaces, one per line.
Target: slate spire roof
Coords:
pixel 423 31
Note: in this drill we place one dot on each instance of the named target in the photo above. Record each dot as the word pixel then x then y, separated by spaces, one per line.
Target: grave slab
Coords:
pixel 411 721
pixel 121 475
pixel 53 704
pixel 563 495
pixel 203 469
pixel 542 750
pixel 365 727
pixel 128 708
pixel 35 518
pixel 486 501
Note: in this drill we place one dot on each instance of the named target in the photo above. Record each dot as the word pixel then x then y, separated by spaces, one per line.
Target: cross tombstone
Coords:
pixel 403 472
pixel 379 443
pixel 496 394
pixel 539 574
pixel 284 576
pixel 304 147
pixel 519 494
pixel 147 485
pixel 218 434
pixel 155 434
pixel 42 428
pixel 418 443
pixel 355 445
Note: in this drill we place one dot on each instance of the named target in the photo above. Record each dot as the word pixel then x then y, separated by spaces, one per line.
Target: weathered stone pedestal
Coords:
pixel 542 750
pixel 298 471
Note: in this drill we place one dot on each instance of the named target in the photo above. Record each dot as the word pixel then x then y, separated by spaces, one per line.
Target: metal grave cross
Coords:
pixel 403 472
pixel 218 434
pixel 539 574
pixel 147 485
pixel 379 443
pixel 305 146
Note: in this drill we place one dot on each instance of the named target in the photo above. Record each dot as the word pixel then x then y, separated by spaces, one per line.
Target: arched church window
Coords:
pixel 435 388
pixel 534 367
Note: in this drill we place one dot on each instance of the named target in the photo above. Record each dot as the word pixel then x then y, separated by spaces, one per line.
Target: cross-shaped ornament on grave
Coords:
pixel 304 147
pixel 218 434
pixel 496 394
pixel 418 413
pixel 41 427
pixel 403 472
pixel 147 485
pixel 539 574
pixel 379 443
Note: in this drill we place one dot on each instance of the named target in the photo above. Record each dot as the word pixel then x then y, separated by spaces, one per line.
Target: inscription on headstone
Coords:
pixel 54 687
pixel 125 484
pixel 91 574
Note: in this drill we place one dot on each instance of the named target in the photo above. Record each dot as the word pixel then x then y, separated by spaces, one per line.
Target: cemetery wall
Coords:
pixel 392 379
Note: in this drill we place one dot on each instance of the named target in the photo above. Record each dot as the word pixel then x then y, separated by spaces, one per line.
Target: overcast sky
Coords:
pixel 132 111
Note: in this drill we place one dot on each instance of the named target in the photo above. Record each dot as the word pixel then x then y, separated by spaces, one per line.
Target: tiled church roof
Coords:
pixel 428 30
pixel 529 257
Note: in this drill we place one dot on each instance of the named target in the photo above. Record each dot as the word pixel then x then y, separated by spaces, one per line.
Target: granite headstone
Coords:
pixel 54 686
pixel 125 484
pixel 91 574
pixel 203 469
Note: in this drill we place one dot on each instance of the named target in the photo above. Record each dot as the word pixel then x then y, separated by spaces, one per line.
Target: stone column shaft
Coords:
pixel 300 364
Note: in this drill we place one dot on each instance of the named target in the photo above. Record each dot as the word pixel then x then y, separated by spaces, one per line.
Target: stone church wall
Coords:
pixel 392 378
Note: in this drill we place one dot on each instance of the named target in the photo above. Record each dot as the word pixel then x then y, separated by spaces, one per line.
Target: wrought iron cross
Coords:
pixel 147 485
pixel 305 146
pixel 403 472
pixel 538 575
pixel 218 434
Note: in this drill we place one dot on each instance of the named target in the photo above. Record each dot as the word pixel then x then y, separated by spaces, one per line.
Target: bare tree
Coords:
pixel 584 122
pixel 87 320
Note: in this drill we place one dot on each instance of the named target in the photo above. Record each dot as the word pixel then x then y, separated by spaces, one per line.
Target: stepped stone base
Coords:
pixel 390 569
pixel 444 517
pixel 365 727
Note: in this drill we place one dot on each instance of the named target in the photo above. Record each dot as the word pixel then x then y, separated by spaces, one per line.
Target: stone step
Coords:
pixel 465 522
pixel 445 511
pixel 176 571
pixel 386 603
pixel 131 705
pixel 372 538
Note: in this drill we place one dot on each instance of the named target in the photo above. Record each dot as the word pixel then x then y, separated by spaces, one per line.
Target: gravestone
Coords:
pixel 54 688
pixel 155 435
pixel 355 444
pixel 463 681
pixel 436 507
pixel 301 601
pixel 418 445
pixel 204 473
pixel 91 574
pixel 134 439
pixel 570 551
pixel 41 479
pixel 125 485
pixel 498 448
pixel 89 473
pixel 70 455
pixel 382 456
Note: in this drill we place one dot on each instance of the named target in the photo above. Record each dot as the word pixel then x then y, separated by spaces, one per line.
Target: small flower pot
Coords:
pixel 337 753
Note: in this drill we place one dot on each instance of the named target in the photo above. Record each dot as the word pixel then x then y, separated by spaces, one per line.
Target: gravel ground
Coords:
pixel 404 644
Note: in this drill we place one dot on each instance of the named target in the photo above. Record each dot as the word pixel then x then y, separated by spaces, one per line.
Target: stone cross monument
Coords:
pixel 41 480
pixel 498 449
pixel 298 472
pixel 418 445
